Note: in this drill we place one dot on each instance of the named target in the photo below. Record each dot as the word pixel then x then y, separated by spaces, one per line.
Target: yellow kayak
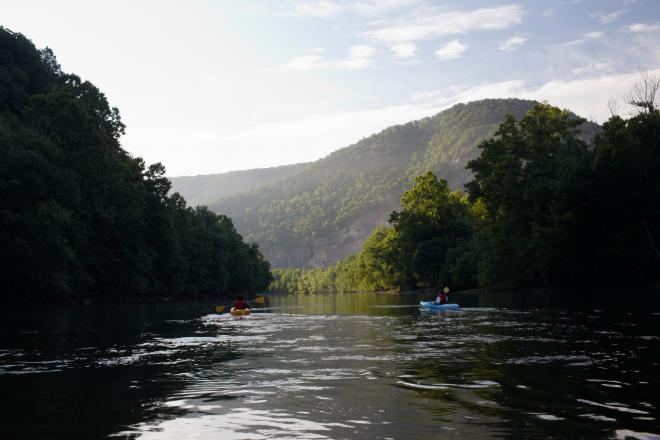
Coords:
pixel 239 312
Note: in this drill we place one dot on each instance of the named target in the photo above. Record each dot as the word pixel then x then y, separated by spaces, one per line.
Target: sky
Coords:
pixel 215 86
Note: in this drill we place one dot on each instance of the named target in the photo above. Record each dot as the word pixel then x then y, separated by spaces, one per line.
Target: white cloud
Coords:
pixel 359 57
pixel 423 26
pixel 451 50
pixel 379 7
pixel 641 27
pixel 404 50
pixel 328 8
pixel 315 8
pixel 455 94
pixel 307 62
pixel 585 36
pixel 512 43
pixel 587 97
pixel 331 8
pixel 570 43
pixel 592 35
pixel 548 12
pixel 609 18
pixel 591 68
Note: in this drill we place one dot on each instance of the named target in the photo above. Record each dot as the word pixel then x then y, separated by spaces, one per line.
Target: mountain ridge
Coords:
pixel 316 213
pixel 204 189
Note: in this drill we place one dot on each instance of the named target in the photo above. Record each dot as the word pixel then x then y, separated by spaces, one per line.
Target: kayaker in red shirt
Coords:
pixel 240 304
pixel 442 296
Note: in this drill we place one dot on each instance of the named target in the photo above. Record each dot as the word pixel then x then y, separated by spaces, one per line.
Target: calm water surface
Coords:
pixel 365 366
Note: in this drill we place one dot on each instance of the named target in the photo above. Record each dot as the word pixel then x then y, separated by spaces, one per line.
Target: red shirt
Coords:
pixel 442 298
pixel 240 304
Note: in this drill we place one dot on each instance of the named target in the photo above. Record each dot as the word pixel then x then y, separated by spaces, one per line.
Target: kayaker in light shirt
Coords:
pixel 442 296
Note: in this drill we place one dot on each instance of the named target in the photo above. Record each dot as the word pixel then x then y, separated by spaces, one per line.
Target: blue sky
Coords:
pixel 213 86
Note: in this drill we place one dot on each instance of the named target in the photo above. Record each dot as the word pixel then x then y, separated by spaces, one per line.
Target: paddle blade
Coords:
pixel 219 309
pixel 259 300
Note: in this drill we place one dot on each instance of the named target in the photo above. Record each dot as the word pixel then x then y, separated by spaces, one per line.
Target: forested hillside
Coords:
pixel 80 218
pixel 325 210
pixel 545 208
pixel 211 188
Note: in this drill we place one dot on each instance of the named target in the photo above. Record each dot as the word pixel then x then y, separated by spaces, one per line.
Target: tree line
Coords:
pixel 82 219
pixel 545 208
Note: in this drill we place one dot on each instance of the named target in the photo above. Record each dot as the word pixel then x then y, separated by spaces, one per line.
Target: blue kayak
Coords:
pixel 432 305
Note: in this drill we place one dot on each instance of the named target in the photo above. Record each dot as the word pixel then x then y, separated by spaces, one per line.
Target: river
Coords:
pixel 364 366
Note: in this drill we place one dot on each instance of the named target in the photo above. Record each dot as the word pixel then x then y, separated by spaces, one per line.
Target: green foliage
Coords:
pixel 559 212
pixel 211 188
pixel 418 250
pixel 433 221
pixel 545 208
pixel 525 176
pixel 341 277
pixel 619 209
pixel 79 217
pixel 378 262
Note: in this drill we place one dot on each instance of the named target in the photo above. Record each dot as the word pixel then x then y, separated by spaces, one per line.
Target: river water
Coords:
pixel 366 366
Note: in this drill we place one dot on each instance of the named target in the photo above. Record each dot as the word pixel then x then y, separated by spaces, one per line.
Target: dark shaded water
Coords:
pixel 328 367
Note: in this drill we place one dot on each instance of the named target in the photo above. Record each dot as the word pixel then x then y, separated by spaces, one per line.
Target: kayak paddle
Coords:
pixel 258 300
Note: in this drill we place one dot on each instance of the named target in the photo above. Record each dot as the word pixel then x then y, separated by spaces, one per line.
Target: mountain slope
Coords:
pixel 324 210
pixel 210 188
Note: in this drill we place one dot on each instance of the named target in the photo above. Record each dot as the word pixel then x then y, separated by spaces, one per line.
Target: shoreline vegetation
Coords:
pixel 545 209
pixel 81 220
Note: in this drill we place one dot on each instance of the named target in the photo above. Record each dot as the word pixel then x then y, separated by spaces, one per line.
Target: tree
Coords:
pixel 378 262
pixel 620 213
pixel 526 177
pixel 433 220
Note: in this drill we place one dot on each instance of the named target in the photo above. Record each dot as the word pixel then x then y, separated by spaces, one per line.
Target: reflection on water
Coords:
pixel 329 367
